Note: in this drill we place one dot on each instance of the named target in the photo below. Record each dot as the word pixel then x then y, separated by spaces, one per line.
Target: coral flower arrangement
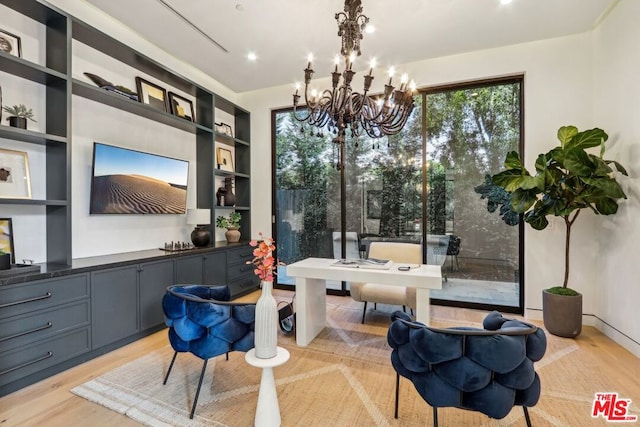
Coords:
pixel 263 259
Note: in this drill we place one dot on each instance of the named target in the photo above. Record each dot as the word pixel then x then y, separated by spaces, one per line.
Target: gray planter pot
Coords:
pixel 562 314
pixel 17 122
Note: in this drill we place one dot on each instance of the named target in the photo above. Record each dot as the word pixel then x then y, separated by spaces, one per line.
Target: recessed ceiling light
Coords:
pixel 251 56
pixel 239 7
pixel 369 28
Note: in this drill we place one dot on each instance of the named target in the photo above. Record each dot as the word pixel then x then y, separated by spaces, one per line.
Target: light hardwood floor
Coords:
pixel 50 403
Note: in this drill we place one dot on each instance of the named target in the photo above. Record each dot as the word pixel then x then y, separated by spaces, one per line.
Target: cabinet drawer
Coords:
pixel 237 270
pixel 23 361
pixel 243 284
pixel 239 255
pixel 24 298
pixel 22 330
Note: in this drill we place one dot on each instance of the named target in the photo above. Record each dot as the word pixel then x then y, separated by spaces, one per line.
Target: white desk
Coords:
pixel 311 302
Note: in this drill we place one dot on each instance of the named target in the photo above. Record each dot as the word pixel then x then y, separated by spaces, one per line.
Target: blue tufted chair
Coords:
pixel 487 370
pixel 203 321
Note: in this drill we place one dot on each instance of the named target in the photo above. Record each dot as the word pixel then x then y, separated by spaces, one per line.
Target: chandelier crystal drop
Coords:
pixel 341 107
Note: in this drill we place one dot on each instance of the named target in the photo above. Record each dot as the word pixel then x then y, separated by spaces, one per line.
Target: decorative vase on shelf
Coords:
pixel 232 234
pixel 266 327
pixel 229 197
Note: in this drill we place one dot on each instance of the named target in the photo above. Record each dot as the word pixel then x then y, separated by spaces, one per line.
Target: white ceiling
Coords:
pixel 283 32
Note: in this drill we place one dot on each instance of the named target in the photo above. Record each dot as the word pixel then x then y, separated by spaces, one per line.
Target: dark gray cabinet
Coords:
pixel 114 305
pixel 154 277
pixel 42 323
pixel 240 276
pixel 51 324
pixel 204 269
pixel 128 300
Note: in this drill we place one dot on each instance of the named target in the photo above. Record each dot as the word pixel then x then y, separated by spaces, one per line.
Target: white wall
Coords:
pixel 616 110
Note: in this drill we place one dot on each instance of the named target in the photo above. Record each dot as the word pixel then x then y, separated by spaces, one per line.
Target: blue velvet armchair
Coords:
pixel 487 370
pixel 203 321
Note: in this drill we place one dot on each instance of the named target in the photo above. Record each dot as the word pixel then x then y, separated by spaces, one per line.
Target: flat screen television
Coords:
pixel 127 181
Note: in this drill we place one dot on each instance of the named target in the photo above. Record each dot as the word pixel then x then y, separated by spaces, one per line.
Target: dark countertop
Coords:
pixel 82 265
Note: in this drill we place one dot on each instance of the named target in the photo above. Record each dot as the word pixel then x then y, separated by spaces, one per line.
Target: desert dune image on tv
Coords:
pixel 132 182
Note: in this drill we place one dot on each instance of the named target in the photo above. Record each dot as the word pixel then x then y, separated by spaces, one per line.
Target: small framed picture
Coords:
pixel 14 175
pixel 151 94
pixel 10 43
pixel 181 107
pixel 225 129
pixel 224 159
pixel 6 238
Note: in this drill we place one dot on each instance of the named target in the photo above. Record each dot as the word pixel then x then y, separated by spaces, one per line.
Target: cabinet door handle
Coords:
pixel 11 304
pixel 24 365
pixel 40 328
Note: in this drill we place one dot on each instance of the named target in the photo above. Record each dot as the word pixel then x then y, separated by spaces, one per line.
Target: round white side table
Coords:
pixel 268 410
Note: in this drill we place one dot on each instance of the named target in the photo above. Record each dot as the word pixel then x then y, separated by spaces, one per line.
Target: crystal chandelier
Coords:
pixel 341 107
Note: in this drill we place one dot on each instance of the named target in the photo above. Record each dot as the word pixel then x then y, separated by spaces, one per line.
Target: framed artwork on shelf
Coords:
pixel 6 238
pixel 181 107
pixel 10 43
pixel 14 175
pixel 225 129
pixel 151 94
pixel 224 159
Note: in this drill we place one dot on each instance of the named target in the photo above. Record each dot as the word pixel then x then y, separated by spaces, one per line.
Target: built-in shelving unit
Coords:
pixel 56 75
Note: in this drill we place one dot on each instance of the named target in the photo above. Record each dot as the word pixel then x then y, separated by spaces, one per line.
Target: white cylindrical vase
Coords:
pixel 266 326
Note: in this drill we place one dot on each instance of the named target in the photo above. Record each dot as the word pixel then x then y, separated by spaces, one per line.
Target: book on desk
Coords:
pixel 374 263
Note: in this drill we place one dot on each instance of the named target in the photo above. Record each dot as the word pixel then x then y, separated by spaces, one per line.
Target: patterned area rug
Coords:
pixel 344 378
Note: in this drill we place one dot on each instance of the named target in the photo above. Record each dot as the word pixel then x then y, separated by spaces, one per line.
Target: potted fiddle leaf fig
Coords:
pixel 19 115
pixel 232 224
pixel 567 180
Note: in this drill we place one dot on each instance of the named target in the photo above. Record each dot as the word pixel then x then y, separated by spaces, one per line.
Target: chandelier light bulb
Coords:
pixel 392 71
pixel 412 85
pixel 405 78
pixel 310 60
pixel 372 63
pixel 314 93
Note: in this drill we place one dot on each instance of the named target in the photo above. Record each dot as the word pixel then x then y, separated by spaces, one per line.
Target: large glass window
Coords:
pixel 469 131
pixel 417 186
